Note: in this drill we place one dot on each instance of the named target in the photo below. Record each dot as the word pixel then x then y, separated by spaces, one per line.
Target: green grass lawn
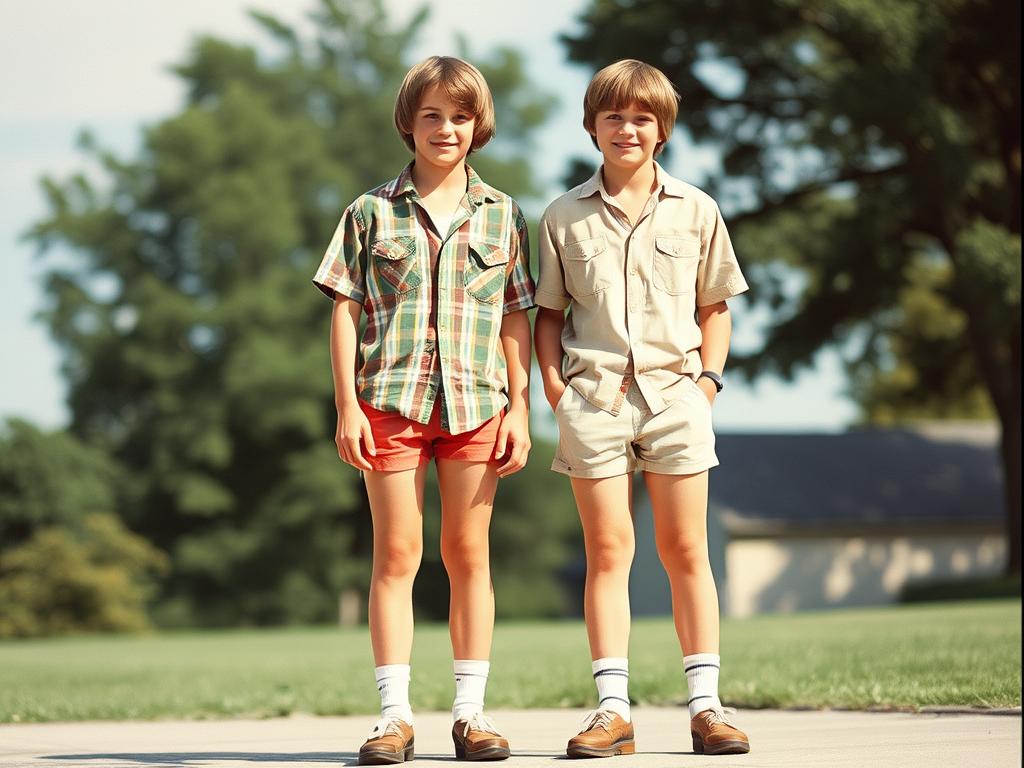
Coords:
pixel 901 656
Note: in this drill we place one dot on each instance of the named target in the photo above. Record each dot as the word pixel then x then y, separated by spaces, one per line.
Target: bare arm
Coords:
pixel 353 425
pixel 716 330
pixel 547 335
pixel 515 426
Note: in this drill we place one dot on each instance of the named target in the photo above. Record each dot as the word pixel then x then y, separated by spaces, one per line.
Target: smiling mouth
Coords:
pixel 625 146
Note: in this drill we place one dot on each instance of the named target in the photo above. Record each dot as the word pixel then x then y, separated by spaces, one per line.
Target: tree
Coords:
pixel 50 479
pixel 195 345
pixel 90 576
pixel 873 150
pixel 67 564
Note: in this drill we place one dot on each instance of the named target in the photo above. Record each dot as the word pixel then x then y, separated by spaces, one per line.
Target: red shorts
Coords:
pixel 402 443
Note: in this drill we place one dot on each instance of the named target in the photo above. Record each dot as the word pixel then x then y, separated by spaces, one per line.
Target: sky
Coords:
pixel 104 65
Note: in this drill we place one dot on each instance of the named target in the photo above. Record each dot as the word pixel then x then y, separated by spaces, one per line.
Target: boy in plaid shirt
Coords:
pixel 439 262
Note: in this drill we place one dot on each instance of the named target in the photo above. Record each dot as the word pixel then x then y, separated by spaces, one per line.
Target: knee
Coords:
pixel 465 555
pixel 610 552
pixel 397 559
pixel 684 555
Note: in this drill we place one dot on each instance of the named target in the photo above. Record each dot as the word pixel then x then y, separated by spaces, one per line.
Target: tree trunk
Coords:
pixel 1000 371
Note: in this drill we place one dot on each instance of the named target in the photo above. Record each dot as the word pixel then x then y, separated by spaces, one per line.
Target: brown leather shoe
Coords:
pixel 478 739
pixel 604 734
pixel 390 741
pixel 714 734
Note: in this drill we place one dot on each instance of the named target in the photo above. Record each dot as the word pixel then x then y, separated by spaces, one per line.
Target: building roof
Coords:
pixel 939 476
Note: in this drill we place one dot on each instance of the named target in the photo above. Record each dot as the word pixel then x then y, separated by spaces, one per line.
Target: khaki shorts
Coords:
pixel 593 443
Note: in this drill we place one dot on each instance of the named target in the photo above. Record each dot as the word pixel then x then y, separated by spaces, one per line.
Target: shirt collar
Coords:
pixel 476 191
pixel 669 184
pixel 401 186
pixel 666 183
pixel 591 186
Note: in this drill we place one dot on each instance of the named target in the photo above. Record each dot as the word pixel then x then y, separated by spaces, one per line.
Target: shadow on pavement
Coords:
pixel 186 759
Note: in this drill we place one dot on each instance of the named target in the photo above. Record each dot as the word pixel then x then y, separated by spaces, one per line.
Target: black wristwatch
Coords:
pixel 715 379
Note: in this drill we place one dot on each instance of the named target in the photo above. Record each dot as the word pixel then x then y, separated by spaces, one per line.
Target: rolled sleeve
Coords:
pixel 519 286
pixel 551 292
pixel 718 276
pixel 343 268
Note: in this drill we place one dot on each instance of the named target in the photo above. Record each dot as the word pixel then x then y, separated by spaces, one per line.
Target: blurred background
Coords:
pixel 173 172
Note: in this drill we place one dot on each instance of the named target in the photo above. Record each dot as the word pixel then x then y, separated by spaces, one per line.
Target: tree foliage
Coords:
pixel 195 346
pixel 871 156
pixel 67 563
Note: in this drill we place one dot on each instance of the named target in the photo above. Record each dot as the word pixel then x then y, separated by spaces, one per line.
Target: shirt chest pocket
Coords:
pixel 485 271
pixel 586 266
pixel 395 262
pixel 676 258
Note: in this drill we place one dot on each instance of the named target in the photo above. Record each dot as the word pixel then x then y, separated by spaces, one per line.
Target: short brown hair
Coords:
pixel 632 82
pixel 461 82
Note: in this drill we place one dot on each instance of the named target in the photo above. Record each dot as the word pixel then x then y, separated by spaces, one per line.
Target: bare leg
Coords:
pixel 604 507
pixel 396 504
pixel 680 505
pixel 467 498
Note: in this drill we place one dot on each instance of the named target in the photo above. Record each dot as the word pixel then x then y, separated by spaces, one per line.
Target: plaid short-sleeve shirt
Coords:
pixel 433 301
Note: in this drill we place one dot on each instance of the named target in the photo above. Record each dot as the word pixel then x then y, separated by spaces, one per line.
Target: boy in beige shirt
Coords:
pixel 644 265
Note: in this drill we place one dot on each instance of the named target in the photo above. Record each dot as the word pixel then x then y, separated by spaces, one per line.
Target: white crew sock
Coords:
pixel 612 677
pixel 470 684
pixel 393 686
pixel 702 680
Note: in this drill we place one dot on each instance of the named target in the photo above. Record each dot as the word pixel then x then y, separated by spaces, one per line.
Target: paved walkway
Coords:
pixel 790 739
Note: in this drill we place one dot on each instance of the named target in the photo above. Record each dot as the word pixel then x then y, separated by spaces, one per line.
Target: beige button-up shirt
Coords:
pixel 633 291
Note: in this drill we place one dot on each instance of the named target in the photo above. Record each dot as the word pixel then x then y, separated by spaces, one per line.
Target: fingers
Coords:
pixel 349 446
pixel 517 458
pixel 371 447
pixel 352 444
pixel 502 442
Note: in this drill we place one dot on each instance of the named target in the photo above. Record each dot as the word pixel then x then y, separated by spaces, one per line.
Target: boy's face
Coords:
pixel 442 131
pixel 627 137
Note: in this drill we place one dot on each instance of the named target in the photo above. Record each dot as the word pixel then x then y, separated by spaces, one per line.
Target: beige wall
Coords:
pixel 779 575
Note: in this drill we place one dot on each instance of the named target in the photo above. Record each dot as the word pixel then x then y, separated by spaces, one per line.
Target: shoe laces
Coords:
pixel 385 726
pixel 479 722
pixel 597 718
pixel 721 715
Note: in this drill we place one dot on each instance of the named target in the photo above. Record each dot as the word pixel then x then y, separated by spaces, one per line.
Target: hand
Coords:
pixel 707 386
pixel 513 438
pixel 353 427
pixel 554 393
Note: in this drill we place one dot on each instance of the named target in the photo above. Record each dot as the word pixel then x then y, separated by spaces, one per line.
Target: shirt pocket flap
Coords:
pixel 394 249
pixel 489 254
pixel 680 247
pixel 584 250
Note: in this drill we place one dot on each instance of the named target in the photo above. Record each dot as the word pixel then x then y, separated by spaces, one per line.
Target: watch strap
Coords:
pixel 715 379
